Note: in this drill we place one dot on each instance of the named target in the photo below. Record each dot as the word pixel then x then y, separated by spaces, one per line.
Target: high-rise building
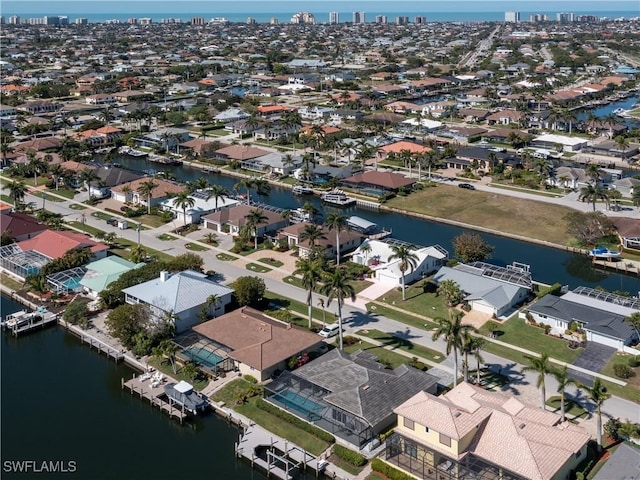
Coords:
pixel 303 17
pixel 333 18
pixel 145 21
pixel 2 20
pixel 538 17
pixel 402 20
pixel 64 20
pixel 381 19
pixel 81 21
pixel 199 21
pixel 14 20
pixel 51 20
pixel 358 17
pixel 251 21
pixel 564 17
pixel 274 21
pixel 587 18
pixel 512 17
pixel 420 20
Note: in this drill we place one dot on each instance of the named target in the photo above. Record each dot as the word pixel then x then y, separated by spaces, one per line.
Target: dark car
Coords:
pixel 468 186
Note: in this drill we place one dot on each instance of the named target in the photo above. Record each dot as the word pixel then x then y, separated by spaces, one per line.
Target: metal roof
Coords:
pixel 516 274
pixel 604 296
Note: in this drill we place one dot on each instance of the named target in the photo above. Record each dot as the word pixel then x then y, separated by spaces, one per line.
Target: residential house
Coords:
pixel 315 112
pixel 349 240
pixel 550 141
pixel 569 177
pixel 101 99
pixel 128 192
pixel 351 396
pixel 272 163
pixel 258 345
pixel 600 314
pixel 203 205
pixel 383 182
pixel 470 432
pixel 180 297
pixel 489 288
pixel 231 115
pixel 232 219
pixel 168 138
pixel 505 117
pixel 19 226
pixel 99 274
pixel 109 177
pixel 239 152
pixel 626 186
pixel 387 270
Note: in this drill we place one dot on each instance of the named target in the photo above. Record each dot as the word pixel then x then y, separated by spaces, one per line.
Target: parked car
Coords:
pixel 112 221
pixel 468 186
pixel 329 330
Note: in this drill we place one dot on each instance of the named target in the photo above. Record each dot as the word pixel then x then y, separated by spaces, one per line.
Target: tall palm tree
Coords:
pixel 263 189
pixel 311 272
pixel 254 218
pixel 246 183
pixel 337 222
pixel 430 160
pixel 56 172
pixel 541 366
pixel 622 143
pixel 312 233
pixel 183 200
pixel 146 189
pixel 591 193
pixel 476 348
pixel 598 394
pixel 408 261
pixel 562 377
pixel 17 191
pixel 366 249
pixel 594 172
pixel 218 192
pixel 453 333
pixel 451 291
pixel 336 286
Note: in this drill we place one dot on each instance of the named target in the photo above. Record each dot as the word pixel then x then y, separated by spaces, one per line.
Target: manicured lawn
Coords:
pixel 6 198
pixel 376 476
pixel 384 355
pixel 632 389
pixel 299 307
pixel 236 389
pixel 165 237
pixel 165 367
pixel 195 247
pixel 346 466
pixel 543 221
pixel 225 257
pixel 206 240
pixel 542 193
pixel 102 216
pixel 51 198
pixel 404 317
pixel 152 221
pixel 418 301
pixel 63 192
pixel 358 285
pixel 85 228
pixel 516 332
pixel 271 261
pixel 254 267
pixel 10 282
pixel 77 206
pixel 572 409
pixel 122 248
pixel 403 344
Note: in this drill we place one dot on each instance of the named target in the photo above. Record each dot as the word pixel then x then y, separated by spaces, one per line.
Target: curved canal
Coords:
pixel 548 265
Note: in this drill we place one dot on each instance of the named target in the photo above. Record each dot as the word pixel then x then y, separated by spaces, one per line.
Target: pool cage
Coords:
pixel 307 401
pixel 22 263
pixel 210 357
pixel 67 281
pixel 429 464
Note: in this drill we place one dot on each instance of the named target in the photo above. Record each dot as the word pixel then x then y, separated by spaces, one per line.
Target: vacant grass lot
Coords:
pixel 418 300
pixel 542 221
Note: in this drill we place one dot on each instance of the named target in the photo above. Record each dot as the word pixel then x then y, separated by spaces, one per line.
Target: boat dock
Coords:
pixel 34 322
pixel 367 204
pixel 94 342
pixel 279 457
pixel 623 265
pixel 150 388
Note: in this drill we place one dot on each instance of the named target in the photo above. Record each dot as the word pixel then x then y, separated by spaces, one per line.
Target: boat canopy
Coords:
pixel 360 224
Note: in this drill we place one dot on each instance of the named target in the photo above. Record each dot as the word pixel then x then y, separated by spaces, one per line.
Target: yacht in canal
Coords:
pixel 183 394
pixel 337 198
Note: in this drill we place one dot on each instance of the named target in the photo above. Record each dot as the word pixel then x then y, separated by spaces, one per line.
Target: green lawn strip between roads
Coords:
pixel 382 354
pixel 405 345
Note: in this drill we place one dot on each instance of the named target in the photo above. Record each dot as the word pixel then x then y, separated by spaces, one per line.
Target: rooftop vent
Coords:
pixel 521 426
pixel 366 387
pixel 457 414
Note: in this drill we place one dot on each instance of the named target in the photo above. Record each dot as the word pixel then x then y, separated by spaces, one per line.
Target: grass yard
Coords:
pixel 279 302
pixel 418 300
pixel 254 267
pixel 122 248
pixel 543 221
pixel 400 316
pixel 237 389
pixel 77 206
pixel 542 193
pixel 85 228
pixel 572 409
pixel 165 367
pixel 225 257
pixel 271 261
pixel 632 390
pixel 7 281
pixel 102 216
pixel 194 247
pixel 358 285
pixel 52 198
pixel 516 332
pixel 165 237
pixel 386 356
pixel 402 344
pixel 152 221
pixel 63 192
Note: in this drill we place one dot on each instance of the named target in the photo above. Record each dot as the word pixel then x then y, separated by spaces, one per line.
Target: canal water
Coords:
pixel 62 402
pixel 548 265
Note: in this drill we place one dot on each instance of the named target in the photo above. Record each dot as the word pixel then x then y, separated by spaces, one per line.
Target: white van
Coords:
pixel 329 330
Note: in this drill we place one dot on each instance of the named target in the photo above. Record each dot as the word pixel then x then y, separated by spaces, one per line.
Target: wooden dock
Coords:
pixel 621 266
pixel 283 459
pixel 46 319
pixel 155 395
pixel 367 204
pixel 94 342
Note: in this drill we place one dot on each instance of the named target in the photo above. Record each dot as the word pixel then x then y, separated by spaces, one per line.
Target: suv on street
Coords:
pixel 467 186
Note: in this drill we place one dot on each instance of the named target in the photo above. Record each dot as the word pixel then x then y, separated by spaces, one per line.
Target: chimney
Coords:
pixel 164 276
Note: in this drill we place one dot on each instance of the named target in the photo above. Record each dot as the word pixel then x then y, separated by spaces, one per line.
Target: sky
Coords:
pixel 38 7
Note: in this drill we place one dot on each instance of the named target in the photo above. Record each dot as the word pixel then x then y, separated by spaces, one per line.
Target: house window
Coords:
pixel 411 450
pixel 578 454
pixel 426 429
pixel 445 440
pixel 408 423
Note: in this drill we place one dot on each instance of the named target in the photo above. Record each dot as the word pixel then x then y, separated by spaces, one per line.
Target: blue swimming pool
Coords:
pixel 203 356
pixel 303 405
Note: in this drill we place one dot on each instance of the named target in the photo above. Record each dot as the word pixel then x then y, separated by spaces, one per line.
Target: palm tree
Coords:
pixel 138 253
pixel 17 191
pixel 211 238
pixel 594 172
pixel 541 366
pixel 591 193
pixel 622 143
pixel 246 183
pixel 312 233
pixel 218 192
pixel 263 189
pixel 336 286
pixel 337 222
pixel 562 377
pixel 451 291
pixel 254 218
pixel 366 249
pixel 311 272
pixel 146 189
pixel 168 349
pixel 477 345
pixel 430 160
pixel 453 332
pixel 408 261
pixel 634 320
pixel 598 394
pixel 56 172
pixel 183 200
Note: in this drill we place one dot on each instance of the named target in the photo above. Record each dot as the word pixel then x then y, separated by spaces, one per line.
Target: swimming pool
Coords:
pixel 203 356
pixel 303 405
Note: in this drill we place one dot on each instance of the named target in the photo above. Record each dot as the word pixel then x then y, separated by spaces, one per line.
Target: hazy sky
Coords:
pixel 37 7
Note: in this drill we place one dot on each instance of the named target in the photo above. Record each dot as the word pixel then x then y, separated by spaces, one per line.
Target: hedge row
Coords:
pixel 388 471
pixel 292 419
pixel 349 456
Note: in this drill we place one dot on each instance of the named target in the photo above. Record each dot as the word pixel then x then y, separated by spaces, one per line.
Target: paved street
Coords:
pixel 356 316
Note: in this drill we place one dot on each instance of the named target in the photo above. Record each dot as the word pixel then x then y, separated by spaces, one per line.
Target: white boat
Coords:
pixel 302 190
pixel 183 394
pixel 603 252
pixel 125 150
pixel 337 198
pixel 620 112
pixel 299 215
pixel 18 319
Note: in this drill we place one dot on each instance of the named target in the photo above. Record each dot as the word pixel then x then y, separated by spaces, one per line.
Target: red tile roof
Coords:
pixel 55 244
pixel 19 224
pixel 403 145
pixel 384 179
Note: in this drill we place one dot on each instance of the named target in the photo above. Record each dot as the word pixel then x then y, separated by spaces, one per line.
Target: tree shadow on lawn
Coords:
pixel 361 319
pixel 514 377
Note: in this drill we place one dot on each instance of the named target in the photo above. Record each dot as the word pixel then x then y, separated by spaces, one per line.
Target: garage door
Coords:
pixel 386 278
pixel 595 337
pixel 482 307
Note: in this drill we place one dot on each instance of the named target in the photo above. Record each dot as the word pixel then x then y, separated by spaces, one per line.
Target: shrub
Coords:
pixel 623 371
pixel 250 379
pixel 349 456
pixel 634 362
pixel 388 471
pixel 349 340
pixel 287 417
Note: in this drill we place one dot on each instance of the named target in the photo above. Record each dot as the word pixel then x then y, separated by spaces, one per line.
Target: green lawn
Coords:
pixel 102 216
pixel 225 257
pixel 238 388
pixel 85 228
pixel 77 206
pixel 271 261
pixel 418 300
pixel 122 248
pixel 254 267
pixel 10 282
pixel 632 390
pixel 516 332
pixel 404 345
pixel 358 285
pixel 195 247
pixel 404 317
pixel 51 198
pixel 63 192
pixel 165 237
pixel 384 355
pixel 542 193
pixel 279 302
pixel 572 409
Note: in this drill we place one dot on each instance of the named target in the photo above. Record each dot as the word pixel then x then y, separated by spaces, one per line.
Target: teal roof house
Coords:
pixel 102 272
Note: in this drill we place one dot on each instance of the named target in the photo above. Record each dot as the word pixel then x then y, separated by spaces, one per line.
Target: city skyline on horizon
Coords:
pixel 76 7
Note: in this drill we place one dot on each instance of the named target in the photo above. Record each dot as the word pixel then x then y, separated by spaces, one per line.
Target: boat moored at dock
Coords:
pixel 601 252
pixel 337 198
pixel 302 190
pixel 183 394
